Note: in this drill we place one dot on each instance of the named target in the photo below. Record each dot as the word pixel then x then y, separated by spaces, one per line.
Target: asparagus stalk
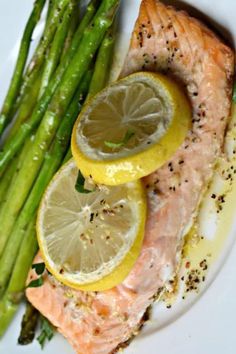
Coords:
pixel 60 144
pixel 40 53
pixel 52 162
pixel 55 18
pixel 102 66
pixel 73 25
pixel 26 108
pixel 6 179
pixel 17 140
pixel 38 58
pixel 47 129
pixel 13 90
pixel 15 289
pixel 51 7
pixel 31 97
pixel 10 302
pixel 56 48
pixel 28 325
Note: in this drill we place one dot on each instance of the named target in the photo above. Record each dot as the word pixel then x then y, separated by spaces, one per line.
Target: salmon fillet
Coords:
pixel 170 41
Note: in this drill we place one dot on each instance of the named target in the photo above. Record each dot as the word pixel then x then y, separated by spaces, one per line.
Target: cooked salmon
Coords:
pixel 172 42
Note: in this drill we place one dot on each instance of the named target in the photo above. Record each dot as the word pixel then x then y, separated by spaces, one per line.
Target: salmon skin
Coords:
pixel 169 41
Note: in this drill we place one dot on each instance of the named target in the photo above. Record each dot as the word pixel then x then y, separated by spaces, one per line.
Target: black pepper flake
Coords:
pixel 170 165
pixel 203 264
pixel 213 196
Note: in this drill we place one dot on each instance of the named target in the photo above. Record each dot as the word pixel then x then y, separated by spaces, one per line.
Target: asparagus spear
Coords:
pixel 20 64
pixel 28 325
pixel 21 185
pixel 31 97
pixel 52 162
pixel 6 179
pixel 15 289
pixel 12 146
pixel 10 302
pixel 39 56
pixel 102 66
pixel 51 6
pixel 26 108
pixel 73 25
pixel 56 48
pixel 94 87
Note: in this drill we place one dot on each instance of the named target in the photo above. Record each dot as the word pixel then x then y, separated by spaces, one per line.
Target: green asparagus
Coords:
pixel 103 61
pixel 5 115
pixel 17 140
pixel 52 162
pixel 73 25
pixel 17 253
pixel 56 48
pixel 28 325
pixel 6 179
pixel 26 108
pixel 39 55
pixel 8 304
pixel 21 185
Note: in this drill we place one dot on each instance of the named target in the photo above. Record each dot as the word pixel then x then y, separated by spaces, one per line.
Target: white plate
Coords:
pixel 208 325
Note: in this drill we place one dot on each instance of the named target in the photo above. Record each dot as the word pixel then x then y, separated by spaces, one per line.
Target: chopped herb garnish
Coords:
pixel 79 185
pixel 39 268
pixel 234 93
pixel 128 135
pixel 47 332
pixel 35 283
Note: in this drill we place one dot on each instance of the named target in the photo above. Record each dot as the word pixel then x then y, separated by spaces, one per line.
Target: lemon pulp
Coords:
pixel 91 240
pixel 149 109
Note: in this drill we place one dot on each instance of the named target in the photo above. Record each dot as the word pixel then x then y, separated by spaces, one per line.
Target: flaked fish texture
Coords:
pixel 170 41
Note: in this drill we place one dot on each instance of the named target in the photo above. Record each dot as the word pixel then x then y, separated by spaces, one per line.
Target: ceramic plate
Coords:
pixel 204 321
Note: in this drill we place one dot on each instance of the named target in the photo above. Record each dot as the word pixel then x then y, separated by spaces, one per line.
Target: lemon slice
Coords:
pixel 130 128
pixel 90 241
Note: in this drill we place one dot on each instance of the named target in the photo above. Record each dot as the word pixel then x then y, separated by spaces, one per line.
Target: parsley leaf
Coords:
pixel 35 283
pixel 79 185
pixel 47 332
pixel 39 268
pixel 234 93
pixel 128 135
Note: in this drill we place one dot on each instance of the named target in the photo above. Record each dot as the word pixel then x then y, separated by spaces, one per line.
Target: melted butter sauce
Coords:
pixel 217 211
